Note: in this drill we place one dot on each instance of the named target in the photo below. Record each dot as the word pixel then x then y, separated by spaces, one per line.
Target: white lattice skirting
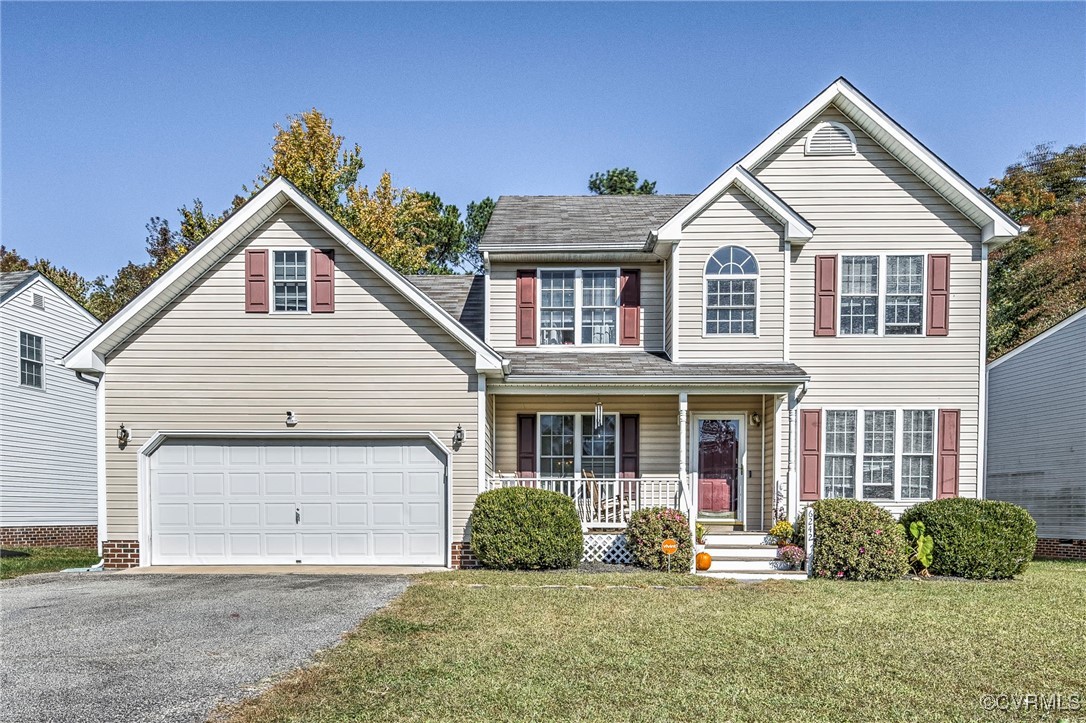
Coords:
pixel 610 549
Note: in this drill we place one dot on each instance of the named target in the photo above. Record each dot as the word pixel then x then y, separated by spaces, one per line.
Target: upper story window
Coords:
pixel 882 295
pixel 290 282
pixel 31 360
pixel 879 454
pixel 731 292
pixel 578 306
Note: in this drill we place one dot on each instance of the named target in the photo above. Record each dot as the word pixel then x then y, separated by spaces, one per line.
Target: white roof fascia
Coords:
pixel 1043 335
pixel 43 279
pixel 797 229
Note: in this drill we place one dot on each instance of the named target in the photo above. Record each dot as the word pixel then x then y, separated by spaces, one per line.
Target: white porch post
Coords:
pixel 684 477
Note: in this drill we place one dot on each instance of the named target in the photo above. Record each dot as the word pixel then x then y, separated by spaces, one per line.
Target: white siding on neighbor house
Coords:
pixel 378 364
pixel 503 300
pixel 870 203
pixel 731 220
pixel 48 458
pixel 1037 431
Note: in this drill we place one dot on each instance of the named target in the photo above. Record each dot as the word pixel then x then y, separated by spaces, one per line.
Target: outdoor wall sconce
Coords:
pixel 291 419
pixel 122 435
pixel 458 436
pixel 756 419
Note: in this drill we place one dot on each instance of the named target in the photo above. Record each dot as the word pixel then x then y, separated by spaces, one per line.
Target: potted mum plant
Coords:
pixel 792 555
pixel 782 530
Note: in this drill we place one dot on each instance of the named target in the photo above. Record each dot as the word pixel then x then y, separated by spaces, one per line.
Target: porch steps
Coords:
pixel 746 556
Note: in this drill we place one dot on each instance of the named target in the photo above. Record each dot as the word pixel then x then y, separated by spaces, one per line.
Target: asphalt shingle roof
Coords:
pixel 461 296
pixel 12 280
pixel 643 364
pixel 561 223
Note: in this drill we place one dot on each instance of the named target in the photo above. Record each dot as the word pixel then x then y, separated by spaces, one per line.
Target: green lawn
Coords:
pixel 499 646
pixel 45 559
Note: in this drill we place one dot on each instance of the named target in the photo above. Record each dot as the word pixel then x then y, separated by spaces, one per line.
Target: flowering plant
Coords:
pixel 792 554
pixel 782 530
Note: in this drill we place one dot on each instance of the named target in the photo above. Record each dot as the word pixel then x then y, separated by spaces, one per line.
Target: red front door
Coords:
pixel 718 466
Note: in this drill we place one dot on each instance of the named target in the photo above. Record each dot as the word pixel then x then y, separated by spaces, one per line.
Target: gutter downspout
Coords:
pixel 99 423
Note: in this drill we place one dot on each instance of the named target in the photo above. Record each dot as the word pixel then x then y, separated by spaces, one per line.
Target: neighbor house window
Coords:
pixel 291 281
pixel 879 454
pixel 31 364
pixel 572 443
pixel 882 295
pixel 578 307
pixel 731 292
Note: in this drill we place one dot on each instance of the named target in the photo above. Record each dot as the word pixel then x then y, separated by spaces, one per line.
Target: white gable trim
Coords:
pixel 796 228
pixel 90 354
pixel 42 279
pixel 1043 335
pixel 996 227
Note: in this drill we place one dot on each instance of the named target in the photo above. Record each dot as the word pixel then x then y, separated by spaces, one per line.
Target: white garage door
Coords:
pixel 252 502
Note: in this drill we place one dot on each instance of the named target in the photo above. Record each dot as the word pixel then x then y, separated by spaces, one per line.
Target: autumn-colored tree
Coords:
pixel 392 222
pixel 1039 278
pixel 620 182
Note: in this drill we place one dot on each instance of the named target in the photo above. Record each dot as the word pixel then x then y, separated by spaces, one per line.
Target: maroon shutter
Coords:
pixel 631 445
pixel 256 281
pixel 938 294
pixel 630 313
pixel 810 454
pixel 526 445
pixel 949 454
pixel 526 308
pixel 324 281
pixel 825 296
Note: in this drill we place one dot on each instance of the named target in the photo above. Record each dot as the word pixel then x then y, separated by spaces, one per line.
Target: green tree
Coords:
pixel 444 234
pixel 620 182
pixel 476 220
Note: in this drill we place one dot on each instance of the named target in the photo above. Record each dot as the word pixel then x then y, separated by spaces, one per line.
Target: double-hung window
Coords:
pixel 290 281
pixel 578 307
pixel 882 295
pixel 731 292
pixel 31 360
pixel 572 443
pixel 879 454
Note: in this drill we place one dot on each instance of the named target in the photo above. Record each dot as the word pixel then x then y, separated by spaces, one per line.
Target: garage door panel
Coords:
pixel 360 502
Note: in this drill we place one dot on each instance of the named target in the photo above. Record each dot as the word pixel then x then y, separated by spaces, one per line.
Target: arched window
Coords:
pixel 731 292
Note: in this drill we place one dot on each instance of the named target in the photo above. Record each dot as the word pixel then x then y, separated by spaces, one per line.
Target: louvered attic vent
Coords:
pixel 38 301
pixel 830 139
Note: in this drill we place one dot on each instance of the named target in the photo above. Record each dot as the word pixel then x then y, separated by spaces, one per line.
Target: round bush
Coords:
pixel 976 539
pixel 650 527
pixel 520 528
pixel 857 540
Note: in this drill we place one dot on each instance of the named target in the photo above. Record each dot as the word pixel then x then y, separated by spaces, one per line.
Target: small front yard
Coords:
pixel 503 646
pixel 45 559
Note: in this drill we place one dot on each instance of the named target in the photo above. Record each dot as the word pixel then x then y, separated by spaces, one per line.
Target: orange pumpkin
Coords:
pixel 703 561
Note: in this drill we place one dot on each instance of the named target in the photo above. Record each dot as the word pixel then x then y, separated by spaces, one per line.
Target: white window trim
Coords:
pixel 833 124
pixel 899 417
pixel 308 281
pixel 881 301
pixel 578 288
pixel 737 277
pixel 41 362
pixel 578 418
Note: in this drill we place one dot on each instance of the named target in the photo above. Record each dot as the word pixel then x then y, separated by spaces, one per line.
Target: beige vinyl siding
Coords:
pixel 503 300
pixel 376 364
pixel 870 203
pixel 669 305
pixel 733 219
pixel 48 455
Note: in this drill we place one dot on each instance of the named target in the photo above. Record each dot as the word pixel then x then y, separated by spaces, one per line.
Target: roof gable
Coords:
pixel 90 354
pixel 14 283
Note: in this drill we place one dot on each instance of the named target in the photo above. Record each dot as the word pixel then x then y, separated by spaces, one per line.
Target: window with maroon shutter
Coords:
pixel 949 451
pixel 631 444
pixel 526 323
pixel 526 445
pixel 256 281
pixel 324 282
pixel 825 311
pixel 630 308
pixel 810 446
pixel 938 294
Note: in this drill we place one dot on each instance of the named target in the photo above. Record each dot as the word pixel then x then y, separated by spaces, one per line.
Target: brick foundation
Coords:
pixel 462 557
pixel 50 536
pixel 1049 548
pixel 121 554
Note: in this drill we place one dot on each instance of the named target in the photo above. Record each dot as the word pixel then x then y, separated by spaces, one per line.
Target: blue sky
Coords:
pixel 112 113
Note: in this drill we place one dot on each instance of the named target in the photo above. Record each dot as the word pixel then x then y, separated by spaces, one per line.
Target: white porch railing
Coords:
pixel 604 503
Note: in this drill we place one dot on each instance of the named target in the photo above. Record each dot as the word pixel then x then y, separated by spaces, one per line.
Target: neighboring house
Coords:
pixel 48 428
pixel 809 325
pixel 1043 472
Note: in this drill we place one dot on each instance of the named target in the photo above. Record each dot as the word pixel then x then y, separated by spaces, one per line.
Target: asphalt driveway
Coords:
pixel 107 647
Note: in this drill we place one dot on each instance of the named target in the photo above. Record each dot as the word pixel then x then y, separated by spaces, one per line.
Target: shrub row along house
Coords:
pixel 810 325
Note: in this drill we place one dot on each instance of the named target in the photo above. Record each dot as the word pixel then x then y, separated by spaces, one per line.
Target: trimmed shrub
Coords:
pixel 521 528
pixel 857 540
pixel 651 526
pixel 976 539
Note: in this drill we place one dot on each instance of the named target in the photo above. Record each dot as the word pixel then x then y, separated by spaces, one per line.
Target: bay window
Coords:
pixel 879 454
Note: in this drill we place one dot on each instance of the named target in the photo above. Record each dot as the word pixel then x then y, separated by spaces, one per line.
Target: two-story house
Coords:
pixel 809 325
